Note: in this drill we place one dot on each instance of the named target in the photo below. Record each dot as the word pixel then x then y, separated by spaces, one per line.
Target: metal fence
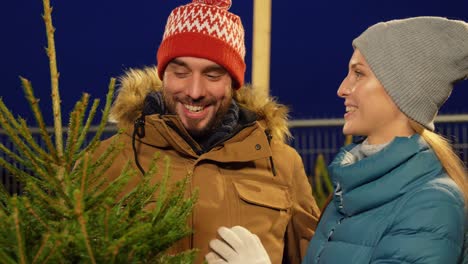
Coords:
pixel 324 136
pixel 310 138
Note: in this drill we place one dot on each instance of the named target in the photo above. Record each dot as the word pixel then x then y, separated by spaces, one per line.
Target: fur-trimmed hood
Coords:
pixel 137 83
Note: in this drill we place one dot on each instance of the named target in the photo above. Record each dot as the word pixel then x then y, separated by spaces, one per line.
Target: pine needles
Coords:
pixel 68 212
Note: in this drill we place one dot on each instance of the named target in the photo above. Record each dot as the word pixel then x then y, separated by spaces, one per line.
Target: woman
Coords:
pixel 400 193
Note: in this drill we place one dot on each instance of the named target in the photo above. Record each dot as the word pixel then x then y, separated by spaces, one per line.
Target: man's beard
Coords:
pixel 212 125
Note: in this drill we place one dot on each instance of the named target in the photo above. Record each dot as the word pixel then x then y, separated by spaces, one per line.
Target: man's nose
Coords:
pixel 196 89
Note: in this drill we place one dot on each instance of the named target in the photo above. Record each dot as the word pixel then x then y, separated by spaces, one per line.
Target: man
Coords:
pixel 230 139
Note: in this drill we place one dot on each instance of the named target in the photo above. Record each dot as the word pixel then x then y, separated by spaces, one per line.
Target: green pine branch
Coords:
pixel 322 186
pixel 68 211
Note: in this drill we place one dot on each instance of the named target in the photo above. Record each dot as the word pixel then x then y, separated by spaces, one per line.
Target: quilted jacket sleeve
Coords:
pixel 305 214
pixel 428 228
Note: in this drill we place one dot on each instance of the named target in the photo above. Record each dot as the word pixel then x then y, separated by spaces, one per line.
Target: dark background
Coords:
pixel 97 40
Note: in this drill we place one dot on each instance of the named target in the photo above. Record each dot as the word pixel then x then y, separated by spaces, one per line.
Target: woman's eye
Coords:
pixel 358 74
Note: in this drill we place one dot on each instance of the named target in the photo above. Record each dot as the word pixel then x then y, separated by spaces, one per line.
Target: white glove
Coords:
pixel 239 247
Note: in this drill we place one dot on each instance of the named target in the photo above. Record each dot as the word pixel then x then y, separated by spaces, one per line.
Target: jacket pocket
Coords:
pixel 263 207
pixel 263 194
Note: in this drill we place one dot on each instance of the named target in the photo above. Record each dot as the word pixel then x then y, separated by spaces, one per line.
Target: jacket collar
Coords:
pixel 382 177
pixel 248 144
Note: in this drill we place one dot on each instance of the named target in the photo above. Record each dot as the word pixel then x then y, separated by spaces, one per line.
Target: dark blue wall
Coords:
pixel 97 40
pixel 311 46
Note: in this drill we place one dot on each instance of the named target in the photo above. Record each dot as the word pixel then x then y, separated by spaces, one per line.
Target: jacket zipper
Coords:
pixel 329 237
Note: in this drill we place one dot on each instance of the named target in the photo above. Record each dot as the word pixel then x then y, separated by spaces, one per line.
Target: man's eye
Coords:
pixel 181 74
pixel 214 76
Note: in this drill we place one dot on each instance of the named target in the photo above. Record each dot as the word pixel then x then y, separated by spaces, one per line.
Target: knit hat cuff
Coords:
pixel 201 46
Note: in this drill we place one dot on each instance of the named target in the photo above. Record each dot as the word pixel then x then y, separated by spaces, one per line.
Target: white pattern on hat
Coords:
pixel 209 20
pixel 205 29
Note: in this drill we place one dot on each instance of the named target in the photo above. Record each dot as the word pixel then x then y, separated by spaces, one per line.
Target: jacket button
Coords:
pixel 258 147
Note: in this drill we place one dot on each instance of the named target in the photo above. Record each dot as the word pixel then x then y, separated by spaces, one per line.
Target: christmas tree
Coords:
pixel 67 212
pixel 322 187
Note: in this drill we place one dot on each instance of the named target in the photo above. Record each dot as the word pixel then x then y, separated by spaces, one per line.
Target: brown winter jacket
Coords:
pixel 248 180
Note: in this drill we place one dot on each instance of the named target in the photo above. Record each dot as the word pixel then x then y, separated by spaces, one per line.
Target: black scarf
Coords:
pixel 154 104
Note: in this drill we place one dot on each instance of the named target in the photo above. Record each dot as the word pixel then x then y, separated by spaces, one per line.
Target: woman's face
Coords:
pixel 369 109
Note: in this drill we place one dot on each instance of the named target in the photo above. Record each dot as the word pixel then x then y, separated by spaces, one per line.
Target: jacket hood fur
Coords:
pixel 137 83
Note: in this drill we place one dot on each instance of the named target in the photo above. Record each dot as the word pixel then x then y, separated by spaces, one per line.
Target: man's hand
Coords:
pixel 239 247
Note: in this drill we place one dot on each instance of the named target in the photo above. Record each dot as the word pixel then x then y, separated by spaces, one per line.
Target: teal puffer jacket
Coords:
pixel 396 206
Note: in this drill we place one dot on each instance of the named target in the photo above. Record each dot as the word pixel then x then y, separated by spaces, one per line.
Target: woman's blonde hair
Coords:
pixel 451 162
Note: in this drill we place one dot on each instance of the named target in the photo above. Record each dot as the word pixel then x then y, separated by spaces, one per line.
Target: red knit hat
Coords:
pixel 205 29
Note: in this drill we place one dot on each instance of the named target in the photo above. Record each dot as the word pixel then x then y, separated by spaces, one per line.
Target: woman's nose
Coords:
pixel 344 89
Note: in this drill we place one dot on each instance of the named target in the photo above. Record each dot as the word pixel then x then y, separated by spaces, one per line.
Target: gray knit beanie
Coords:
pixel 417 60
